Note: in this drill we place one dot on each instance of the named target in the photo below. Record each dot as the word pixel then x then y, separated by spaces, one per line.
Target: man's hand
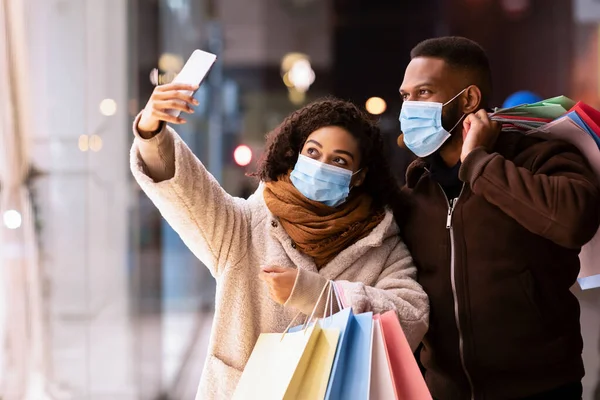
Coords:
pixel 280 280
pixel 479 131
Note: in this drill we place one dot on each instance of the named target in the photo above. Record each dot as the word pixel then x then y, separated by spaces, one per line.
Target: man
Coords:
pixel 495 221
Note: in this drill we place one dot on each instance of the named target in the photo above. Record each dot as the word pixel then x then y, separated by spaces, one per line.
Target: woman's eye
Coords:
pixel 312 152
pixel 405 96
pixel 340 161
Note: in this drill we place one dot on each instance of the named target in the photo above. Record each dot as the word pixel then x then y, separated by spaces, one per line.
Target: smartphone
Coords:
pixel 193 72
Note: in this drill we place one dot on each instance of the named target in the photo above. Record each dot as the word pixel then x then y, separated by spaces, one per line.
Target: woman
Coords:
pixel 320 213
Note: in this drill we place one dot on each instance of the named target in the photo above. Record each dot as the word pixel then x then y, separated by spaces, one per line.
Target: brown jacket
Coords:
pixel 497 266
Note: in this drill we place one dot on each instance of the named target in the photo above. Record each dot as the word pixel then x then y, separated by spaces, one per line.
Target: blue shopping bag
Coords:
pixel 356 368
pixel 351 371
pixel 342 321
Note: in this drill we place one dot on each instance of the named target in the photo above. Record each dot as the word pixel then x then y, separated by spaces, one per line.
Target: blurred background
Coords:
pixel 99 298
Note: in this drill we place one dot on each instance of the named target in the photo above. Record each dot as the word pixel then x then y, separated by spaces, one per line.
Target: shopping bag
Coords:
pixel 315 380
pixel 357 370
pixel 408 381
pixel 570 131
pixel 589 115
pixel 277 365
pixel 342 321
pixel 550 108
pixel 382 383
pixel 349 378
pixel 576 117
pixel 563 101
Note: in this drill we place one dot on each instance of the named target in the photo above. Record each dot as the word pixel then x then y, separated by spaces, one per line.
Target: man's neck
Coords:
pixel 451 150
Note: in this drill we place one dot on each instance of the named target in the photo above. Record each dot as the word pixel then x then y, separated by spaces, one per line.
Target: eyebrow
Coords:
pixel 335 151
pixel 345 152
pixel 420 85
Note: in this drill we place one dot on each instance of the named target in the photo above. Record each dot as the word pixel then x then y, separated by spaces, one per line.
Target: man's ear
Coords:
pixel 400 141
pixel 471 100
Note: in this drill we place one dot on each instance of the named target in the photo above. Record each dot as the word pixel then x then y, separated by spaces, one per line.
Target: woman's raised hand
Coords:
pixel 166 97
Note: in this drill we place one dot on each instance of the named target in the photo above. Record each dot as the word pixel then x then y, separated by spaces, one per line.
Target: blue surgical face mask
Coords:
pixel 421 125
pixel 321 182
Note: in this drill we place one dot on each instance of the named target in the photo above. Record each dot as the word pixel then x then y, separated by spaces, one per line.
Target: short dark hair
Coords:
pixel 285 143
pixel 461 53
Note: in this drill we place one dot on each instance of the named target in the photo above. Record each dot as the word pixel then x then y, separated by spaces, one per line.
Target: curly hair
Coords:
pixel 285 143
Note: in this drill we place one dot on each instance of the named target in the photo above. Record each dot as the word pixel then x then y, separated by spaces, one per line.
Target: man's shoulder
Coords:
pixel 512 144
pixel 525 149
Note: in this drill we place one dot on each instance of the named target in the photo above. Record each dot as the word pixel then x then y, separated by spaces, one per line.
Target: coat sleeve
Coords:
pixel 395 289
pixel 557 198
pixel 214 225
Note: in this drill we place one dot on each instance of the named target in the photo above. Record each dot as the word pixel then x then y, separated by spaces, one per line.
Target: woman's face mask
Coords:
pixel 321 182
pixel 421 125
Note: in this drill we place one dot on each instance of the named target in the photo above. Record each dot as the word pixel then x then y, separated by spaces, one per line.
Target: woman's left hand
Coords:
pixel 280 280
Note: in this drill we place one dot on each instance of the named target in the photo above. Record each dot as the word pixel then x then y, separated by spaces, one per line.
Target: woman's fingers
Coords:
pixel 175 86
pixel 163 105
pixel 172 96
pixel 175 95
pixel 163 116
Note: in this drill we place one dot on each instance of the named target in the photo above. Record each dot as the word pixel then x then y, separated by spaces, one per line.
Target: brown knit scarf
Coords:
pixel 318 230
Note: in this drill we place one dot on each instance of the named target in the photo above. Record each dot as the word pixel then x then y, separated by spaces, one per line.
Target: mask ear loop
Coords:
pixel 455 97
pixel 459 121
pixel 450 101
pixel 352 187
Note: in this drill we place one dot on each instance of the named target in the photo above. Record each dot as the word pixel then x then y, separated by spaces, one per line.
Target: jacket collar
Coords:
pixel 415 172
pixel 506 145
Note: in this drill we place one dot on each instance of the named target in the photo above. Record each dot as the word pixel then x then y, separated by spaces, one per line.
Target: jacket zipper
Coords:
pixel 451 205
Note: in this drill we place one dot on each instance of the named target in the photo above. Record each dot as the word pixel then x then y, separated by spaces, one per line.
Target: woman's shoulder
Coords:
pixel 257 206
pixel 385 232
pixel 388 225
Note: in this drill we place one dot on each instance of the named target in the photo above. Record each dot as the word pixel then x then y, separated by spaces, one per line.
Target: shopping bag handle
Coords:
pixel 305 325
pixel 331 294
pixel 327 287
pixel 338 297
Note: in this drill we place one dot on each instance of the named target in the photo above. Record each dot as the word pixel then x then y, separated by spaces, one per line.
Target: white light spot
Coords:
pixel 108 107
pixel 301 75
pixel 242 155
pixel 12 219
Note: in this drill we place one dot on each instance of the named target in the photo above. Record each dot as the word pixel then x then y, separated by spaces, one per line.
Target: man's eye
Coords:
pixel 404 96
pixel 424 92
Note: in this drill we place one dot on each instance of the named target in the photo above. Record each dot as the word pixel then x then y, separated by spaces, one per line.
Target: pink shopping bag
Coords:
pixel 408 380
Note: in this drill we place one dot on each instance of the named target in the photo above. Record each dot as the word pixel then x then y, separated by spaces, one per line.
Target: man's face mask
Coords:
pixel 421 124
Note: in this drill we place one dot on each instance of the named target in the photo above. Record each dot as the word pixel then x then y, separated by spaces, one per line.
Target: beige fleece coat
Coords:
pixel 233 237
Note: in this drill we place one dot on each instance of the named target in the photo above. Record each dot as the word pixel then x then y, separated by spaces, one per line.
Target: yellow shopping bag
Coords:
pixel 277 365
pixel 316 378
pixel 295 365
